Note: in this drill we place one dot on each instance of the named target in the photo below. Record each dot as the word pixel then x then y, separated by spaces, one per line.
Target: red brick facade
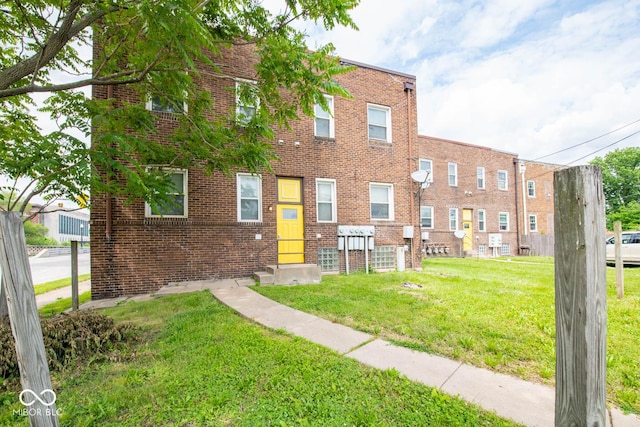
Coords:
pixel 144 254
pixel 483 202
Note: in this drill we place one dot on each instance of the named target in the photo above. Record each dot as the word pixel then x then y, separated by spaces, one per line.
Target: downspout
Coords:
pixel 515 169
pixel 408 87
pixel 109 206
pixel 525 222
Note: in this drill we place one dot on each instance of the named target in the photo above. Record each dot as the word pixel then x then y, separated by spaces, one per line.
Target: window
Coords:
pixel 480 178
pixel 249 197
pixel 505 249
pixel 453 174
pixel 166 105
pixel 427 165
pixel 503 221
pixel 383 257
pixel 482 220
pixel 177 192
pixel 247 101
pixel 531 188
pixel 533 223
pixel 426 216
pixel 328 259
pixel 379 119
pixel 453 219
pixel 502 180
pixel 324 125
pixel 381 196
pixel 326 200
pixel 73 226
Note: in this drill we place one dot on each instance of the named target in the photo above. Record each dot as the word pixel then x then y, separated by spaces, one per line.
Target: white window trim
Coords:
pixel 507 215
pixel 334 200
pixel 239 177
pixel 239 82
pixel 483 222
pixel 149 106
pixel 332 130
pixel 528 189
pixel 391 201
pixel 455 174
pixel 148 213
pixel 387 110
pixel 535 222
pixel 430 170
pixel 457 219
pixel 506 180
pixel 433 221
pixel 484 181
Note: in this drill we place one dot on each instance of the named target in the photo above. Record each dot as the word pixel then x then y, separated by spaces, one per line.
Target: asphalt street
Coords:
pixel 48 269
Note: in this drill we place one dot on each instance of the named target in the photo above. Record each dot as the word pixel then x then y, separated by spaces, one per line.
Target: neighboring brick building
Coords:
pixel 472 190
pixel 352 169
pixel 535 204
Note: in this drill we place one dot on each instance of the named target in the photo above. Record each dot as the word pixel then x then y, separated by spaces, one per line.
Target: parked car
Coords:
pixel 630 248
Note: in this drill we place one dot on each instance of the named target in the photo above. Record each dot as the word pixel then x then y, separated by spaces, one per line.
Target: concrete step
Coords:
pixel 265 278
pixel 293 274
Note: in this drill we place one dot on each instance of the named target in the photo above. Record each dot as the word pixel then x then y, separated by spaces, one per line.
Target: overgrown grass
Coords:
pixel 202 364
pixel 57 284
pixel 497 314
pixel 63 304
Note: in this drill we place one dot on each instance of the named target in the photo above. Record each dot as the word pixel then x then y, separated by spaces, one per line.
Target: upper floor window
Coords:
pixel 427 165
pixel 379 119
pixel 502 180
pixel 166 105
pixel 426 216
pixel 480 173
pixel 531 188
pixel 482 220
pixel 533 223
pixel 247 101
pixel 453 174
pixel 176 206
pixel 503 221
pixel 324 124
pixel 249 191
pixel 326 200
pixel 381 196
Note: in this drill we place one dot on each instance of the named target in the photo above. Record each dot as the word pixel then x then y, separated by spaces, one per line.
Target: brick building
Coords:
pixel 535 204
pixel 351 168
pixel 472 189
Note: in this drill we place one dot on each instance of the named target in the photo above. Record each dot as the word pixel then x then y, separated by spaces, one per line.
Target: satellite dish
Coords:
pixel 459 234
pixel 421 177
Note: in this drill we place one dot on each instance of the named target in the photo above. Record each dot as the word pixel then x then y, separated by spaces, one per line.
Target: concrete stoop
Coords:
pixel 289 274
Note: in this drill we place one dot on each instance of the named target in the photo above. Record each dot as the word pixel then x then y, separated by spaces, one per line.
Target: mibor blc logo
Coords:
pixel 28 397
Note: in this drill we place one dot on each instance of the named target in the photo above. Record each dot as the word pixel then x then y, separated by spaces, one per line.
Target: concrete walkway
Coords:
pixel 61 293
pixel 524 402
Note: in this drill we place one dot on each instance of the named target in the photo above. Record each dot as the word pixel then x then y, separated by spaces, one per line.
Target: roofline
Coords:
pixel 469 145
pixel 346 61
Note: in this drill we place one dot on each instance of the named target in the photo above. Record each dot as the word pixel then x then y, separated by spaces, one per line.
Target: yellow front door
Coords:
pixel 467 226
pixel 290 221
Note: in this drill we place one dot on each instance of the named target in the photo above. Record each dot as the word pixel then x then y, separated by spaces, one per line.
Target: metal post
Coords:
pixel 74 275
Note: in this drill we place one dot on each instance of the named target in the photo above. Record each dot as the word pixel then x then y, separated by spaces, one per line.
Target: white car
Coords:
pixel 630 248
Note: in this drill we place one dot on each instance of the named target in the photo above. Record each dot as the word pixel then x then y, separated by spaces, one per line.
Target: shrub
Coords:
pixel 67 337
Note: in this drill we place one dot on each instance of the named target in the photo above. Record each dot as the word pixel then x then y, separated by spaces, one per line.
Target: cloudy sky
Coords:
pixel 530 77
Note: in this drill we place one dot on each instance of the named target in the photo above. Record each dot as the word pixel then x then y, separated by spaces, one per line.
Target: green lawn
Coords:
pixel 200 363
pixel 57 284
pixel 495 313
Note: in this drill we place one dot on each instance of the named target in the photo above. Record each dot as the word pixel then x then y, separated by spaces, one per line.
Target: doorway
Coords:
pixel 290 221
pixel 467 226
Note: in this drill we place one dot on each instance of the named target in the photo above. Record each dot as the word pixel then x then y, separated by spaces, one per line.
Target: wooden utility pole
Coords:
pixel 617 229
pixel 581 297
pixel 37 394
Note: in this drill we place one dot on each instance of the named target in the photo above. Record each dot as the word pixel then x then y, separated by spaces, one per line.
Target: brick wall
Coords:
pixel 144 254
pixel 466 195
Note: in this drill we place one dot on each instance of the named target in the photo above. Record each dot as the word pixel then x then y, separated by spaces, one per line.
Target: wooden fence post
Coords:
pixel 617 229
pixel 37 394
pixel 74 275
pixel 581 297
